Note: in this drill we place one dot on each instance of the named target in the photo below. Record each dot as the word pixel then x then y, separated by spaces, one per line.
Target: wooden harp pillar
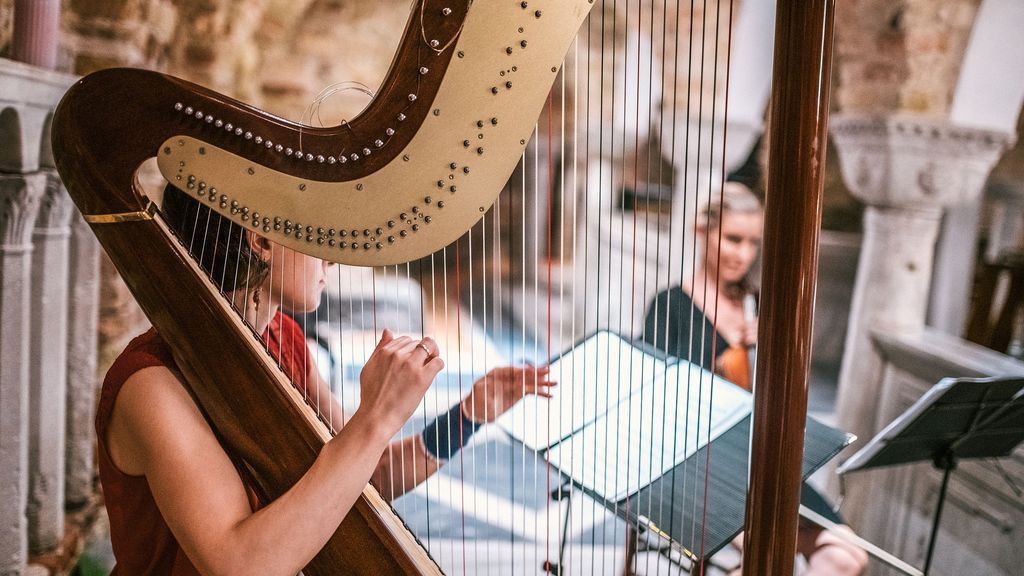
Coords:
pixel 796 164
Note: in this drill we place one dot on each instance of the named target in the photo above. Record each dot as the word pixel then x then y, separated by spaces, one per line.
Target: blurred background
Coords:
pixel 922 248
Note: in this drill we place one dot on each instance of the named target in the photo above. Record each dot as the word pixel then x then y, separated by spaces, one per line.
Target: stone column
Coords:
pixel 907 170
pixel 36 30
pixel 48 367
pixel 82 378
pixel 19 202
pixel 953 277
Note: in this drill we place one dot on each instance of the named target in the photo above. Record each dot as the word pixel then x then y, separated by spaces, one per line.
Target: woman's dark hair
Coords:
pixel 219 245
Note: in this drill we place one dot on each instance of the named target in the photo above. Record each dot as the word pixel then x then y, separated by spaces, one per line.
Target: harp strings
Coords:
pixel 694 482
pixel 613 312
pixel 647 221
pixel 721 193
pixel 537 275
pixel 670 245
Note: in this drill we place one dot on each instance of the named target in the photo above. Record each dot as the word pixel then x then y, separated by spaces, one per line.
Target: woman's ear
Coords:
pixel 260 245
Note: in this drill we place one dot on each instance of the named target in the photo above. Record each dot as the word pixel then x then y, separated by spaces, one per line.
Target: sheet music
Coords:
pixel 651 431
pixel 592 377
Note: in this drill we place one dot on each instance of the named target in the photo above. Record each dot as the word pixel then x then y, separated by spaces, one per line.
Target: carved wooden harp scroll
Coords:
pixel 405 178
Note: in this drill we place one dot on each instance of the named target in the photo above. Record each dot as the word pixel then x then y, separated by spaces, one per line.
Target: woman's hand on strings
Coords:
pixel 396 377
pixel 501 388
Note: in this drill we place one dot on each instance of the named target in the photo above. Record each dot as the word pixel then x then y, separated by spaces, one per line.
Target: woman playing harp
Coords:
pixel 710 320
pixel 177 502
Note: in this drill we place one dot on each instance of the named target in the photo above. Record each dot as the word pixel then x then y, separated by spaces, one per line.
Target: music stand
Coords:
pixel 958 418
pixel 698 507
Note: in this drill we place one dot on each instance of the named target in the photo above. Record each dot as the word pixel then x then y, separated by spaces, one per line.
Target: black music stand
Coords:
pixel 700 520
pixel 956 419
pixel 698 507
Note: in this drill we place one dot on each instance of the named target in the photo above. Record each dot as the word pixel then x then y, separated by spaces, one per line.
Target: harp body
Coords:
pixel 398 183
pixel 427 158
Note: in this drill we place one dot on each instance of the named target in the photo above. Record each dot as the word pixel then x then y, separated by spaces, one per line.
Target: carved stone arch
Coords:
pixel 45 148
pixel 990 90
pixel 750 79
pixel 12 154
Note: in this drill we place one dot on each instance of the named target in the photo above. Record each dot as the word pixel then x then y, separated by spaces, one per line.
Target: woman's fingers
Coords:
pixel 416 353
pixel 405 343
pixel 542 389
pixel 520 374
pixel 397 344
pixel 428 345
pixel 523 381
pixel 434 367
pixel 518 371
pixel 422 351
pixel 386 338
pixel 531 376
pixel 514 382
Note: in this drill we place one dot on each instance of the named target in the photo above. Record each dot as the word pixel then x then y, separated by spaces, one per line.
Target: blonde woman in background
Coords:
pixel 711 320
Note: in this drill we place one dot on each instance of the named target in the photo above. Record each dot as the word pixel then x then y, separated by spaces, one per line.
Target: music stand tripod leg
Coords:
pixel 947 463
pixel 563 492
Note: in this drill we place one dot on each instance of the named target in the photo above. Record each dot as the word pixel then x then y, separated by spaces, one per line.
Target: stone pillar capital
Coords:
pixel 55 207
pixel 910 170
pixel 20 197
pixel 906 161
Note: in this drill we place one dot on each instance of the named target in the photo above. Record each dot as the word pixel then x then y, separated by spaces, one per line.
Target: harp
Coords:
pixel 414 172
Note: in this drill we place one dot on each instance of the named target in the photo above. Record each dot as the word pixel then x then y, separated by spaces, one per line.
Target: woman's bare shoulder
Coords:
pixel 162 435
pixel 152 412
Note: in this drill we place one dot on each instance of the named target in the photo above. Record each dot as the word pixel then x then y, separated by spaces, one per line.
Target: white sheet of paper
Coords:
pixel 591 378
pixel 651 431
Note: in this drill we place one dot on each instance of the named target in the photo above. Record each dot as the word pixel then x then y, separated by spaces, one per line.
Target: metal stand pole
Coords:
pixel 562 493
pixel 946 463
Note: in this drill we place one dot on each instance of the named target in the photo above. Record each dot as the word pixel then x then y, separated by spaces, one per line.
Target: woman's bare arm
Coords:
pixel 403 465
pixel 406 463
pixel 158 431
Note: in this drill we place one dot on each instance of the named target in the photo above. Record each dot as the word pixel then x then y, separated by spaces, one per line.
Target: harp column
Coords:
pixel 908 170
pixel 796 158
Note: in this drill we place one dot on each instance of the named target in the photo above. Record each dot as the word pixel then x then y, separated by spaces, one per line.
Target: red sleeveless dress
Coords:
pixel 142 542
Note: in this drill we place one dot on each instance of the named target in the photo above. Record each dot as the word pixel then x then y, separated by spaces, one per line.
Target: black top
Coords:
pixel 669 327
